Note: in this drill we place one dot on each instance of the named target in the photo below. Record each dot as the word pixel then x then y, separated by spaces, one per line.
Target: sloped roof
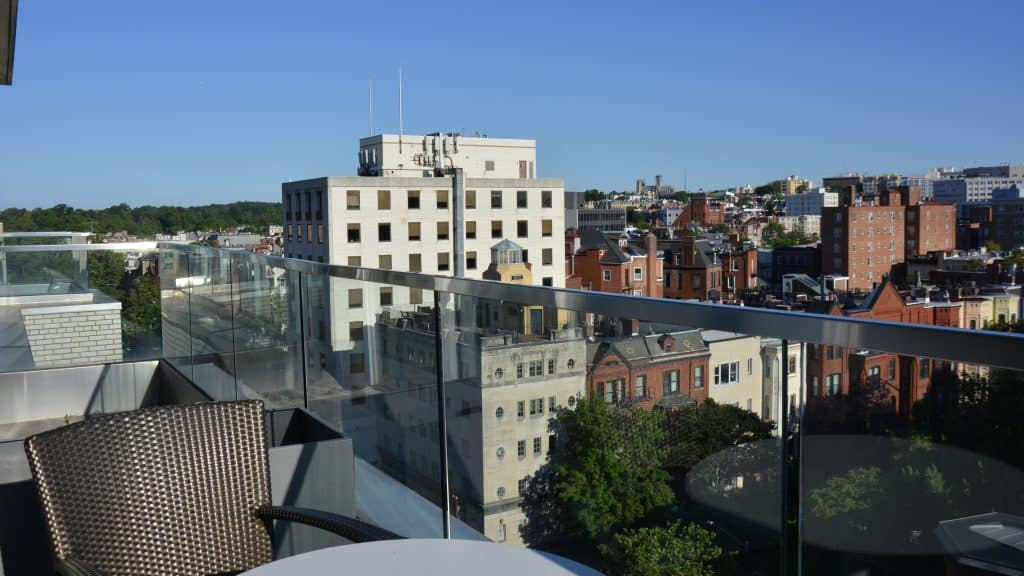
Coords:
pixel 506 244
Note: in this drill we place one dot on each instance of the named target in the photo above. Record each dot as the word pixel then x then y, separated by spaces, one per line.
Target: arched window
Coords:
pixel 571 364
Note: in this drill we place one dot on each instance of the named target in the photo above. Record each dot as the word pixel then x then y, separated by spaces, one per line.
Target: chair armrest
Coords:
pixel 72 567
pixel 354 530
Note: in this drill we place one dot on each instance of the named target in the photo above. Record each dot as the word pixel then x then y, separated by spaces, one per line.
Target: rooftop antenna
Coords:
pixel 370 102
pixel 400 126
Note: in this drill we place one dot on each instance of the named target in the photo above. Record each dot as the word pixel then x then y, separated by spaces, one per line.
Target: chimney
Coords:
pixel 657 181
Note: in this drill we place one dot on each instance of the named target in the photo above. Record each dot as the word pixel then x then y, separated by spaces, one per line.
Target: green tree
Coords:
pixel 673 550
pixel 682 196
pixel 848 495
pixel 106 273
pixel 992 246
pixel 592 195
pixel 142 307
pixel 611 475
pixel 696 432
pixel 637 218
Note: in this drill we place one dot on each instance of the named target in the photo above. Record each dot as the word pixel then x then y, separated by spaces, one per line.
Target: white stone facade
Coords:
pixel 735 369
pixel 810 203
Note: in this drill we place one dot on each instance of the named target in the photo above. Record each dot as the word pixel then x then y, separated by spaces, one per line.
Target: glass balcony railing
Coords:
pixel 615 430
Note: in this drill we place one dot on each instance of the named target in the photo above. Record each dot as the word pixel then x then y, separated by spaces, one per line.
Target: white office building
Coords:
pixel 811 202
pixel 965 191
pixel 433 204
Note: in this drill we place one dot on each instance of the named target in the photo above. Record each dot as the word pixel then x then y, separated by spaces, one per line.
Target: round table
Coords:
pixel 423 556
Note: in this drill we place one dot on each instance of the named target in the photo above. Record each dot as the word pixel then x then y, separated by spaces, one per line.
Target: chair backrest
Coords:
pixel 170 490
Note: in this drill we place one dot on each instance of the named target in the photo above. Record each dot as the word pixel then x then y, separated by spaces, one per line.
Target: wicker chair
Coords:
pixel 176 490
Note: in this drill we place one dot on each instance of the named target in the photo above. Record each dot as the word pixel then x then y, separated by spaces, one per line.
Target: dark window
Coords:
pixel 522 228
pixel 384 232
pixel 521 199
pixel 495 198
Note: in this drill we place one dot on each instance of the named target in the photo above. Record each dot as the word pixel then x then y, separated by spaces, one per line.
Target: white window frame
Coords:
pixel 727 373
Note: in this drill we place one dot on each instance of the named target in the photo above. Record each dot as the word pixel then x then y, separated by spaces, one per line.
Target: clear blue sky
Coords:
pixel 194 102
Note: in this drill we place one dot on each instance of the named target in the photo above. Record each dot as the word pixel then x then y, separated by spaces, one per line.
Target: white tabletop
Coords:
pixel 423 556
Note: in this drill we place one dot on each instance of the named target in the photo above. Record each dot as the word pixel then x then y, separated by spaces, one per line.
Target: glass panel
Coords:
pixel 371 372
pixel 911 466
pixel 212 303
pixel 268 358
pixel 636 421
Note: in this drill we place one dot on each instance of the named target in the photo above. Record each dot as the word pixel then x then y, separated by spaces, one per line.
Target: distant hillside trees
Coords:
pixel 143 220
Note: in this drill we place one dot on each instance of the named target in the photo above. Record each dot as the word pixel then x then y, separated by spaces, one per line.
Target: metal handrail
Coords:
pixel 996 349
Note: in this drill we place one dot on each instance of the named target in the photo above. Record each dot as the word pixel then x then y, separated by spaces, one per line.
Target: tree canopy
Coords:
pixel 143 220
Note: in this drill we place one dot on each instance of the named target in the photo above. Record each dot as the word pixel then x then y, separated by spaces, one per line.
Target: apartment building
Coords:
pixel 736 369
pixel 865 242
pixel 662 370
pixel 514 368
pixel 616 264
pixel 965 191
pixel 900 380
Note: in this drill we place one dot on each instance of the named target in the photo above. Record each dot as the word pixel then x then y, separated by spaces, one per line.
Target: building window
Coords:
pixel 384 232
pixel 495 228
pixel 670 382
pixel 638 274
pixel 545 198
pixel 442 199
pixel 352 199
pixel 834 383
pixel 641 386
pixel 551 365
pixel 570 364
pixel 383 199
pixel 470 198
pixel 413 199
pixel 830 353
pixel 355 298
pixel 488 165
pixel 353 233
pixel 386 297
pixel 519 370
pixel 750 366
pixel 415 263
pixel 499 412
pixel 521 199
pixel 470 260
pixel 536 368
pixel 356 261
pixel 545 228
pixel 551 403
pixel 320 234
pixel 792 365
pixel 536 406
pixel 521 448
pixel 727 373
pixel 357 363
pixel 414 231
pixel 536 451
pixel 522 228
pixel 415 295
pixel 547 281
pixel 521 409
pixel 698 377
pixel 355 331
pixel 892 369
pixel 384 261
pixel 545 257
pixel 495 199
pixel 926 368
pixel 442 261
pixel 442 230
pixel 606 275
pixel 501 523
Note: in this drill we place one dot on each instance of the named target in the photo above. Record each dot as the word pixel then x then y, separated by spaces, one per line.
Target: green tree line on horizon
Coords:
pixel 143 220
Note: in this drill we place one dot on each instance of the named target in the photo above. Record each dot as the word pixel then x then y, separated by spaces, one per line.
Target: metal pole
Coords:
pixel 302 340
pixel 442 419
pixel 784 460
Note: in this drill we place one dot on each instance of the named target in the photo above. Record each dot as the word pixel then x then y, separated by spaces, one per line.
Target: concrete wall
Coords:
pixel 74 335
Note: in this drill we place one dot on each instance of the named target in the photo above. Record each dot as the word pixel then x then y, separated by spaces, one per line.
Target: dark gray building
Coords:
pixel 602 219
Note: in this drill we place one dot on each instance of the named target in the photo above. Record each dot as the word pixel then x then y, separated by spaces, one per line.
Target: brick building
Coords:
pixel 700 210
pixel 651 370
pixel 901 380
pixel 865 242
pixel 616 265
pixel 693 269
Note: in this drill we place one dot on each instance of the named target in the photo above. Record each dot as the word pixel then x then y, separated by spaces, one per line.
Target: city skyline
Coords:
pixel 149 105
